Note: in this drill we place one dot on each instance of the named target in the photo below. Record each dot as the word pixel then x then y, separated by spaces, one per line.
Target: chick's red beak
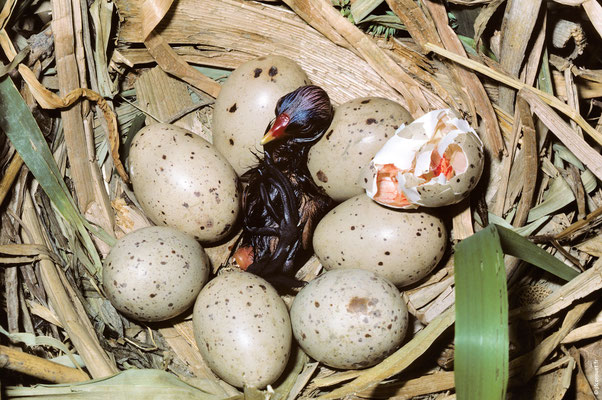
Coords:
pixel 277 129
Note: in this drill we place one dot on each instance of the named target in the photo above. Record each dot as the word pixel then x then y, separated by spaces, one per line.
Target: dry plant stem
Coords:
pixel 399 360
pixel 519 20
pixel 68 75
pixel 577 145
pixel 507 80
pixel 40 367
pixel 77 325
pixel 571 229
pixel 526 366
pixel 173 64
pixel 479 102
pixel 462 220
pixel 10 175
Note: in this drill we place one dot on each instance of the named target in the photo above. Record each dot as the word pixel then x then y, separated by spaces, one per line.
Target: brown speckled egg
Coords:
pixel 245 106
pixel 401 245
pixel 349 318
pixel 242 329
pixel 181 180
pixel 358 130
pixel 155 273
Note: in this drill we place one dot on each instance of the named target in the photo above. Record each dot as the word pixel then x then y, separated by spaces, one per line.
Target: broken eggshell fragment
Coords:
pixel 434 161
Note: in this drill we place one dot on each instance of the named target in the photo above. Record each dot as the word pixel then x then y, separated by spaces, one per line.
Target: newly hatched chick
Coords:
pixel 281 203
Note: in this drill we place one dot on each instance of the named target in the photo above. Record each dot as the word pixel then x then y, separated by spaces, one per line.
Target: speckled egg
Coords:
pixel 349 318
pixel 432 162
pixel 181 180
pixel 401 245
pixel 242 329
pixel 154 273
pixel 245 106
pixel 358 130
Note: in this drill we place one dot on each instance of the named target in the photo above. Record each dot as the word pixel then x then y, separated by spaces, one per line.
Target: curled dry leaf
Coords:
pixel 49 100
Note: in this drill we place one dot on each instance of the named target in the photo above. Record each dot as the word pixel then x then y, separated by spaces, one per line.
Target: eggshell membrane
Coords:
pixel 243 330
pixel 181 180
pixel 349 318
pixel 155 273
pixel 359 129
pixel 402 246
pixel 246 103
pixel 410 149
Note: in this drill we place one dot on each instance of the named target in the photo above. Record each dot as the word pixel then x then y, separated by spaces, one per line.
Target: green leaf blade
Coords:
pixel 517 246
pixel 481 357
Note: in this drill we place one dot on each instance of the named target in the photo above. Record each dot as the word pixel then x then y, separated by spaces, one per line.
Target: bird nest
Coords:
pixel 77 84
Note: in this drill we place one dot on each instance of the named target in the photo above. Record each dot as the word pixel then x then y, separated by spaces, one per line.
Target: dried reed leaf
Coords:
pixel 518 24
pixel 593 9
pixel 526 365
pixel 153 12
pixel 427 384
pixel 10 174
pixel 360 9
pixel 175 65
pixel 529 154
pixel 480 23
pixel 133 384
pixel 164 98
pixel 69 59
pixel 553 384
pixel 260 31
pixel 392 73
pixel 68 308
pixel 7 10
pixel 578 288
pixel 474 88
pixel 584 332
pixel 399 360
pixel 549 99
pixel 419 25
pixel 583 151
pixel 101 12
pixel 592 246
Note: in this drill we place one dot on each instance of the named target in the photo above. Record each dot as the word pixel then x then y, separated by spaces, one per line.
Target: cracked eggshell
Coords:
pixel 245 106
pixel 155 273
pixel 402 246
pixel 349 318
pixel 181 180
pixel 434 161
pixel 243 330
pixel 359 129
